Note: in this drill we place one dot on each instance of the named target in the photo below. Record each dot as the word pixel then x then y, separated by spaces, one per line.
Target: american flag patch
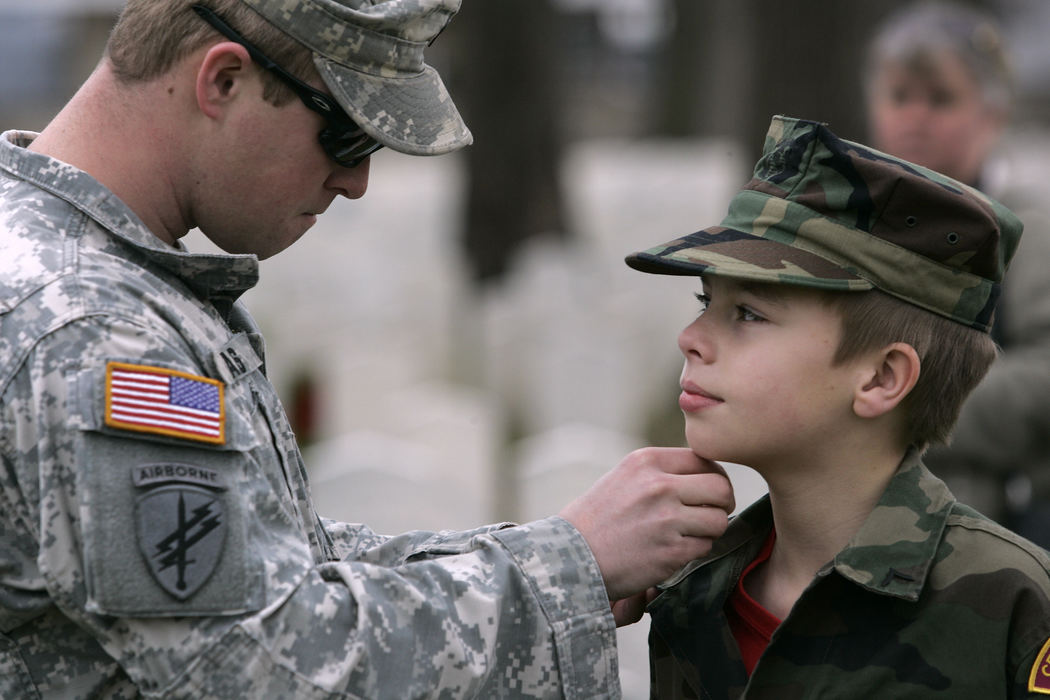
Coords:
pixel 165 402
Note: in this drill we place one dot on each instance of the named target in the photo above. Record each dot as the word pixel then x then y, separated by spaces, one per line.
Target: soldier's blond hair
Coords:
pixel 954 357
pixel 151 36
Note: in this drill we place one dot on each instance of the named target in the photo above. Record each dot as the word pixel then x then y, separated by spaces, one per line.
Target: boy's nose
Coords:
pixel 695 341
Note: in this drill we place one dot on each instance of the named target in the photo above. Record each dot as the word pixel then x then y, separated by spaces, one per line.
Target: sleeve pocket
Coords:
pixel 164 525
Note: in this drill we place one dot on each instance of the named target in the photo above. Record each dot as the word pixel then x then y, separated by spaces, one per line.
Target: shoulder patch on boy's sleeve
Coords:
pixel 1039 679
pixel 164 401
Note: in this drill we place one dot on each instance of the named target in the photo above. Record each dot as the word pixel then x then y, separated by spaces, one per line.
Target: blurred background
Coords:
pixel 465 345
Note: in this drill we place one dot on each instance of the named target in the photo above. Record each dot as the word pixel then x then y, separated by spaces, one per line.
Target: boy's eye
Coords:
pixel 743 313
pixel 746 314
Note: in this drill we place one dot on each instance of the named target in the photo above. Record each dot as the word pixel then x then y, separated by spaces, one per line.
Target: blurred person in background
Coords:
pixel 157 534
pixel 939 93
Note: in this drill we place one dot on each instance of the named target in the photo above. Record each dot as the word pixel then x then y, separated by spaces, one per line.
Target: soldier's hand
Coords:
pixel 655 511
pixel 627 611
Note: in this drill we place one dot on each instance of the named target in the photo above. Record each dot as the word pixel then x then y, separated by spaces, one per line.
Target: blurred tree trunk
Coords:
pixel 732 64
pixel 827 41
pixel 706 82
pixel 505 78
pixel 511 90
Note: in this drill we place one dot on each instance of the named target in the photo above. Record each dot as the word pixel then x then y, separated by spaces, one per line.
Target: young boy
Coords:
pixel 847 298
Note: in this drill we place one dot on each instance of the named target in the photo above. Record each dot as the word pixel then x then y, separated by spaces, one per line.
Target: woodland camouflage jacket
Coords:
pixel 929 600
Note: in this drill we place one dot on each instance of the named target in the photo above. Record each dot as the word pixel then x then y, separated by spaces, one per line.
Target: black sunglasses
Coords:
pixel 342 139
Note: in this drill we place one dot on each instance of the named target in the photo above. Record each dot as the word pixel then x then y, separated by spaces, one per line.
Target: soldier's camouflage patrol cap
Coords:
pixel 831 214
pixel 370 55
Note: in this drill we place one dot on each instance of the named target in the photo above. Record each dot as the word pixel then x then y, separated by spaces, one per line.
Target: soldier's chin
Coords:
pixel 270 247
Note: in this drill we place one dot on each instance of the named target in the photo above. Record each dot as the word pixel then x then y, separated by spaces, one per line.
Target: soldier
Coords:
pixel 847 299
pixel 158 536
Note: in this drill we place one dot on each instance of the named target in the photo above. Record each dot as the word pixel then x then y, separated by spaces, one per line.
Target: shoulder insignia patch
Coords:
pixel 181 530
pixel 165 402
pixel 1039 679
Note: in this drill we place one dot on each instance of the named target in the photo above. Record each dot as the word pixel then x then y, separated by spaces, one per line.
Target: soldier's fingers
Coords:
pixel 712 489
pixel 704 522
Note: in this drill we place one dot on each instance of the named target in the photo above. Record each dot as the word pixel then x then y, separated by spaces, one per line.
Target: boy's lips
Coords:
pixel 693 398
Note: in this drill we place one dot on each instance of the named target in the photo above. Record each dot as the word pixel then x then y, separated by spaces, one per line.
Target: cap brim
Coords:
pixel 730 253
pixel 413 115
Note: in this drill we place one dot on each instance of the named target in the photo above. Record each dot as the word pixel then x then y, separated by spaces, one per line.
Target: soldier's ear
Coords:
pixel 221 77
pixel 887 378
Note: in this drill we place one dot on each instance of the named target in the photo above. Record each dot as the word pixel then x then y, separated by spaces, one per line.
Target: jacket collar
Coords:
pixel 216 277
pixel 896 547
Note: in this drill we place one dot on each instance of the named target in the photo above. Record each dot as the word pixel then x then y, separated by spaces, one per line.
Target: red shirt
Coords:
pixel 751 624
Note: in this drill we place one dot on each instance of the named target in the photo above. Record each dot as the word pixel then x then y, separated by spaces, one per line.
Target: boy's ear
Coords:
pixel 220 77
pixel 893 374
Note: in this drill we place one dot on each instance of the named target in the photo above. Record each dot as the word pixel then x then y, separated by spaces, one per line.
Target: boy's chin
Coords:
pixel 708 451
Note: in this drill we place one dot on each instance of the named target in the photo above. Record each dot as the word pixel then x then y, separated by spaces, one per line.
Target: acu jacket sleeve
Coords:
pixel 143 562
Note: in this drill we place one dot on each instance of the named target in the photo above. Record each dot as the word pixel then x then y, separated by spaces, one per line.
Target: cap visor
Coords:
pixel 729 253
pixel 412 115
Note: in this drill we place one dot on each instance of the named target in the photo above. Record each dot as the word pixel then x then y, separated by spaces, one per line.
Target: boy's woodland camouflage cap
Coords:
pixel 370 55
pixel 831 214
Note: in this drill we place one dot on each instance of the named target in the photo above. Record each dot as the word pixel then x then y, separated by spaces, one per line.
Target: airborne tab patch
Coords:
pixel 165 402
pixel 1039 680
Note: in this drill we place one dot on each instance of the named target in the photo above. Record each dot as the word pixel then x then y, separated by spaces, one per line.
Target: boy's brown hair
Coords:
pixel 151 36
pixel 953 357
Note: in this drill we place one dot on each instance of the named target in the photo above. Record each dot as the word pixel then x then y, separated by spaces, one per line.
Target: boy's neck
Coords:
pixel 816 511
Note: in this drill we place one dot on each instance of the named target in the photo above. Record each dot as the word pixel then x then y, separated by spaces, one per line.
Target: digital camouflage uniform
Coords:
pixel 929 599
pixel 157 536
pixel 184 559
